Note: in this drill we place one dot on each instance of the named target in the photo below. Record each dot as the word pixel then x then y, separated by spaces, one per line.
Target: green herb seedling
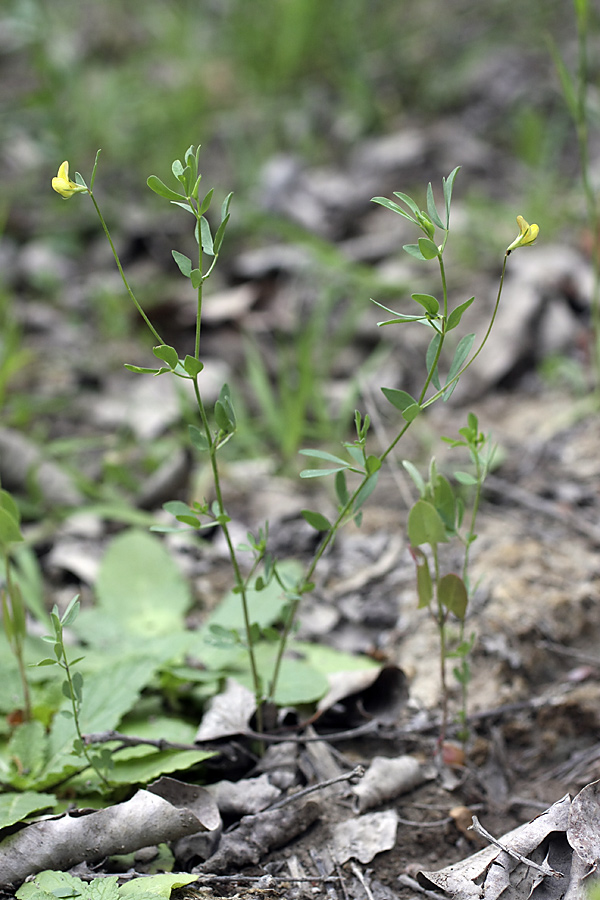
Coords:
pixel 72 687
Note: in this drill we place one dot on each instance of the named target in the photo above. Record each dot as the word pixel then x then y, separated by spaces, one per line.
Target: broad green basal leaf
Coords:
pixel 141 587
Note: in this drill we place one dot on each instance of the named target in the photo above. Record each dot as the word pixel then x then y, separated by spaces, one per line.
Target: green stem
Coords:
pixel 74 705
pixel 200 296
pixel 122 273
pixel 440 618
pixel 239 579
pixel 443 390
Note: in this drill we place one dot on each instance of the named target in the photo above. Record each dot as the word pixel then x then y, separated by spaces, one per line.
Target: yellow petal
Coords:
pixel 527 234
pixel 63 185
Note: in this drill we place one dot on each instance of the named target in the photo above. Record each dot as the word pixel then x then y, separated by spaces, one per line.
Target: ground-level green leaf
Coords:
pixel 14 807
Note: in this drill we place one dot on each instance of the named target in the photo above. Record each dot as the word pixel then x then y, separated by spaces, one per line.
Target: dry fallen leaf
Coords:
pixel 385 779
pixel 167 810
pixel 364 837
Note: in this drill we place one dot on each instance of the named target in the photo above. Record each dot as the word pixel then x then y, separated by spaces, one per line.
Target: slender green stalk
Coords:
pixel 458 375
pixel 440 619
pixel 240 582
pixel 74 706
pixel 122 273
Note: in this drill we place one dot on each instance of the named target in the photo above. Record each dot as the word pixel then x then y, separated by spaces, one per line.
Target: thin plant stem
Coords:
pixel 440 618
pixel 122 273
pixel 67 669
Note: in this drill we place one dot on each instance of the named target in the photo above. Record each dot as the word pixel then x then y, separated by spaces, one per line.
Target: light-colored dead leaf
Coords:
pixel 228 713
pixel 385 779
pixel 364 837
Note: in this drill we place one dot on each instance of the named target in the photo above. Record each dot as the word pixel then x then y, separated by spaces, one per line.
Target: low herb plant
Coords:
pixel 72 688
pixel 436 516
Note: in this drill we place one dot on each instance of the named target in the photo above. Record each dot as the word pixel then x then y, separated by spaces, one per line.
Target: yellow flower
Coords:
pixel 527 234
pixel 63 185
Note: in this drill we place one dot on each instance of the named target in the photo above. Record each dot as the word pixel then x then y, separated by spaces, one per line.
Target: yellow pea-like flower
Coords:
pixel 63 185
pixel 527 235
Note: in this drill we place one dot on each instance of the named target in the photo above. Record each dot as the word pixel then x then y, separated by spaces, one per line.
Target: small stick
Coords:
pixel 407 881
pixel 478 828
pixel 127 740
pixel 353 776
pixel 361 878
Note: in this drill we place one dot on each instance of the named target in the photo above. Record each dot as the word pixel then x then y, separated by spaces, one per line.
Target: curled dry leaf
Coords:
pixel 167 810
pixel 385 779
pixel 379 693
pixel 491 872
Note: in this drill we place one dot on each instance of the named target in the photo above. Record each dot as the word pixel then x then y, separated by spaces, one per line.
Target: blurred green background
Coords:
pixel 247 78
